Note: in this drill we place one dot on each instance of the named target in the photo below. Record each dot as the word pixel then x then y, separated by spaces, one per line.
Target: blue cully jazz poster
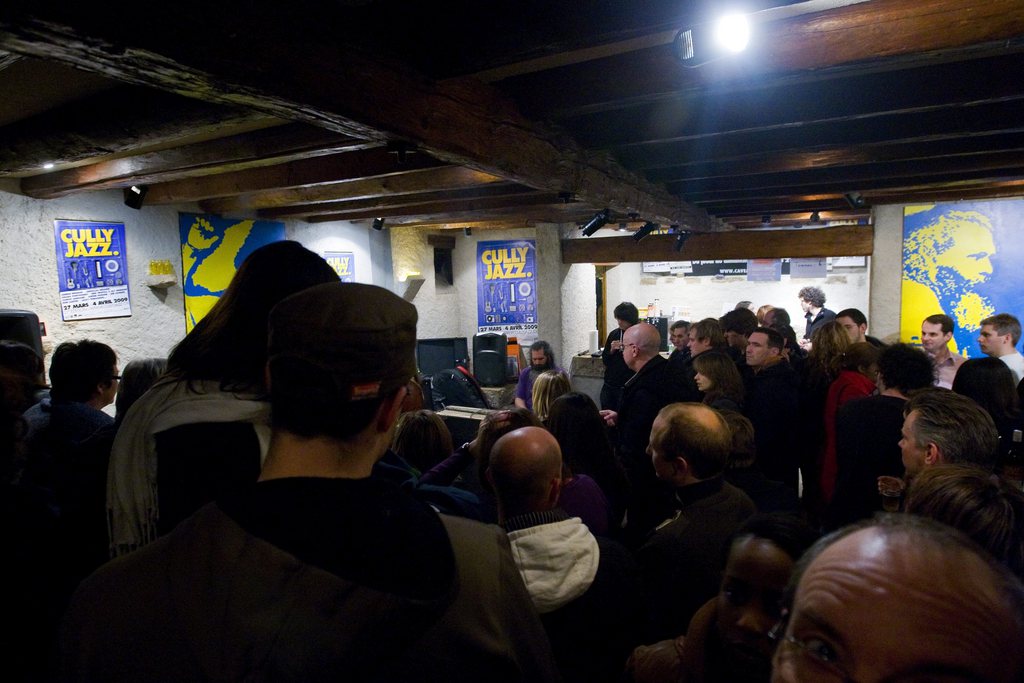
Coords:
pixel 344 264
pixel 92 267
pixel 962 260
pixel 506 286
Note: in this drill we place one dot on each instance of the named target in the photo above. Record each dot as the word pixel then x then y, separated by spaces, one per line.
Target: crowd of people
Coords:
pixel 280 504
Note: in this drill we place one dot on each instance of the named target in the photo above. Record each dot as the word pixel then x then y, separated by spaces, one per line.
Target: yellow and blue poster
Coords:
pixel 506 286
pixel 212 249
pixel 344 264
pixel 963 260
pixel 92 268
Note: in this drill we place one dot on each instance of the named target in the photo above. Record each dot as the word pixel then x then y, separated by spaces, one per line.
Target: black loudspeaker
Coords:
pixel 23 326
pixel 662 325
pixel 489 352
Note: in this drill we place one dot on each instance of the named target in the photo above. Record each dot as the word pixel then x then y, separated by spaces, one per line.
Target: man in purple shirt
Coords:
pixel 541 358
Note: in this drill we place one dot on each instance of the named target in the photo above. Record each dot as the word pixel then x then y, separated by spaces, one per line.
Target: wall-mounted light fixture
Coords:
pixel 599 220
pixel 815 217
pixel 378 224
pixel 467 231
pixel 855 200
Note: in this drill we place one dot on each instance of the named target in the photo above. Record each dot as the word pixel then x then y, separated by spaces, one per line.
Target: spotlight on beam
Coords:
pixel 855 200
pixel 134 195
pixel 703 43
pixel 378 224
pixel 766 219
pixel 467 231
pixel 681 238
pixel 599 220
pixel 644 230
pixel 815 217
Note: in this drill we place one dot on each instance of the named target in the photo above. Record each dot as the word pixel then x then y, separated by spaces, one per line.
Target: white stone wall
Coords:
pixel 694 298
pixel 28 262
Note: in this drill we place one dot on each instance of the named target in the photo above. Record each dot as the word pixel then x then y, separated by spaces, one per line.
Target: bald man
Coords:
pixel 681 562
pixel 655 384
pixel 901 598
pixel 586 589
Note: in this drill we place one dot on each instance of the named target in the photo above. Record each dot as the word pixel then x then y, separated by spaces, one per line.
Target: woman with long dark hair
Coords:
pixel 719 378
pixel 203 429
pixel 587 451
pixel 989 383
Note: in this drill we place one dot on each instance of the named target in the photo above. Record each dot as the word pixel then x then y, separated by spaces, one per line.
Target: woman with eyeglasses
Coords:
pixel 728 638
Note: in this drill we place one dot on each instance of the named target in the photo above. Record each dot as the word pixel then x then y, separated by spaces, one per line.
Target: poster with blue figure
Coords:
pixel 963 260
pixel 506 286
pixel 212 249
pixel 92 270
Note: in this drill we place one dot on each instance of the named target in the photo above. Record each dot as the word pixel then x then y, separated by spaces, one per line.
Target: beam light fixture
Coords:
pixel 378 224
pixel 135 195
pixel 681 237
pixel 599 220
pixel 855 200
pixel 700 44
pixel 644 230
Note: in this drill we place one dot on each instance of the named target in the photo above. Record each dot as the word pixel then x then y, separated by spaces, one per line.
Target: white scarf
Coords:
pixel 132 503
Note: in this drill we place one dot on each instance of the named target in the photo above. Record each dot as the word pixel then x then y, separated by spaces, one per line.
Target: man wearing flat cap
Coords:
pixel 317 572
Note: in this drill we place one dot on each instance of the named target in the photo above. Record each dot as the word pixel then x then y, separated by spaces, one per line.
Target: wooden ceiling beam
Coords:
pixel 380 205
pixel 564 213
pixel 836 157
pixel 464 122
pixel 445 178
pixel 858 36
pixel 85 129
pixel 447 207
pixel 842 178
pixel 969 121
pixel 837 241
pixel 258 148
pixel 308 172
pixel 766 106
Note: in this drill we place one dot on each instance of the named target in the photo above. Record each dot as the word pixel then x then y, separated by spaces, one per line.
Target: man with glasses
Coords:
pixel 900 599
pixel 317 571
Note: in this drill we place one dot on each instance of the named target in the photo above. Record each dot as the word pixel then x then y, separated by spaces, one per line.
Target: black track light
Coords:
pixel 681 238
pixel 467 231
pixel 815 217
pixel 134 195
pixel 854 199
pixel 766 219
pixel 599 220
pixel 378 224
pixel 645 230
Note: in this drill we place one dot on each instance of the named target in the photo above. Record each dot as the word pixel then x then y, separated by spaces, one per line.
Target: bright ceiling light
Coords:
pixel 48 165
pixel 732 32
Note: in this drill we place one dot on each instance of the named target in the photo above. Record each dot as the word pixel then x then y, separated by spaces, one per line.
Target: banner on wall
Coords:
pixel 764 270
pixel 92 269
pixel 963 260
pixel 212 249
pixel 344 264
pixel 507 286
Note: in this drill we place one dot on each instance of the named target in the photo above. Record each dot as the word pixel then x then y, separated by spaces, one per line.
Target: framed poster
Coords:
pixel 506 286
pixel 92 270
pixel 212 248
pixel 961 259
pixel 344 264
